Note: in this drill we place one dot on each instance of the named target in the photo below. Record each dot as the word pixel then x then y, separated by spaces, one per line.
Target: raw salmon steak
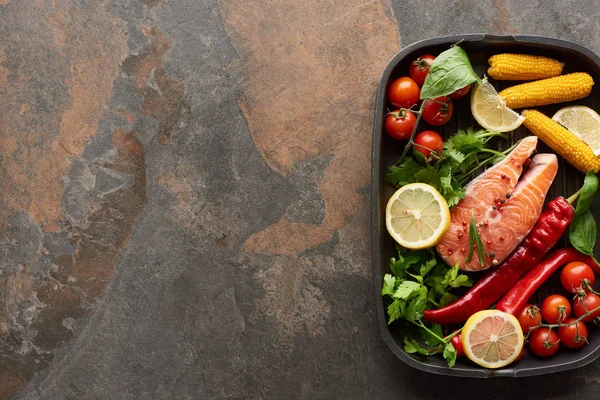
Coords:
pixel 505 206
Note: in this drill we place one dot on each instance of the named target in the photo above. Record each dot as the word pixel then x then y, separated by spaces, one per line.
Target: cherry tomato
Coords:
pixel 589 302
pixel 573 336
pixel 419 68
pixel 428 141
pixel 404 92
pixel 555 309
pixel 437 111
pixel 399 124
pixel 529 317
pixel 458 346
pixel 460 93
pixel 544 342
pixel 574 273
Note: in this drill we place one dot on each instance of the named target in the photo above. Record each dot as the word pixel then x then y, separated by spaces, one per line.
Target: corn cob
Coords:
pixel 523 67
pixel 561 140
pixel 548 91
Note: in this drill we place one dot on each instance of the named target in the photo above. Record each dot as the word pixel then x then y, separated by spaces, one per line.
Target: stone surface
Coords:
pixel 184 197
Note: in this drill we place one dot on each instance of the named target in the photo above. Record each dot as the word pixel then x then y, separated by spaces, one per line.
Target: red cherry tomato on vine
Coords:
pixel 529 317
pixel 544 342
pixel 460 93
pixel 437 111
pixel 419 68
pixel 458 346
pixel 399 124
pixel 404 92
pixel 573 336
pixel 428 141
pixel 589 302
pixel 574 273
pixel 555 309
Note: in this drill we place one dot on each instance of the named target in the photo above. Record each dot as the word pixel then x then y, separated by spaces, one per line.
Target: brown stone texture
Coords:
pixel 184 196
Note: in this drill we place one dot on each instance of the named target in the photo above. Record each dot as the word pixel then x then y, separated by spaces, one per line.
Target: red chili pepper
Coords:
pixel 547 230
pixel 457 343
pixel 517 297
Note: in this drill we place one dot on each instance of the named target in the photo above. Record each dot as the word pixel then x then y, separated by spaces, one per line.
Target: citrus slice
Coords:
pixel 583 122
pixel 491 111
pixel 417 216
pixel 492 338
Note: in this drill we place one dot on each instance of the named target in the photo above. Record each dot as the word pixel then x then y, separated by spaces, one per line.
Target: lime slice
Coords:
pixel 490 110
pixel 417 216
pixel 583 122
pixel 492 338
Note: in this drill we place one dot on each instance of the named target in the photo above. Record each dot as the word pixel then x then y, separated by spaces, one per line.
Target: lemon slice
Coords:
pixel 491 111
pixel 492 338
pixel 583 122
pixel 417 216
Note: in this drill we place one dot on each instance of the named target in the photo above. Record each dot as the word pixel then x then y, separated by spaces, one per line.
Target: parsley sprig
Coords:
pixel 463 155
pixel 418 282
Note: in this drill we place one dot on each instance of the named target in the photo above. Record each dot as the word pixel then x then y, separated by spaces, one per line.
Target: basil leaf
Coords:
pixel 450 71
pixel 588 192
pixel 582 233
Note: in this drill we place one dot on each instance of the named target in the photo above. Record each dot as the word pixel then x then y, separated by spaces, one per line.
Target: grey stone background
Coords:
pixel 185 196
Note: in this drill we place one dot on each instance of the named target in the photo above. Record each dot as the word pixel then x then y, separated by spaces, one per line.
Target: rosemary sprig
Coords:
pixel 475 239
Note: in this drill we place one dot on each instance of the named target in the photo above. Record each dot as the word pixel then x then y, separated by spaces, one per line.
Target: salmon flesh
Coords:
pixel 505 205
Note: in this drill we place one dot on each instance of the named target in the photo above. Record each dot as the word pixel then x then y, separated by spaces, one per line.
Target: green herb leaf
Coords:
pixel 451 275
pixel 447 298
pixel 401 264
pixel 429 264
pixel 450 71
pixel 414 310
pixel 466 142
pixel 428 175
pixel 582 233
pixel 455 156
pixel 389 283
pixel 430 339
pixel 461 280
pixel 588 192
pixel 414 347
pixel 406 289
pixel 409 347
pixel 404 173
pixel 450 354
pixel 396 310
pixel 474 238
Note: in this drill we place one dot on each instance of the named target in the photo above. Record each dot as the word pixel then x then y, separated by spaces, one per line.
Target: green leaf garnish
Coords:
pixel 450 71
pixel 475 239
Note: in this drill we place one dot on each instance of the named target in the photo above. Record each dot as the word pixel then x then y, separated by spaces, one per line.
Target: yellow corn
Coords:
pixel 548 91
pixel 523 67
pixel 561 140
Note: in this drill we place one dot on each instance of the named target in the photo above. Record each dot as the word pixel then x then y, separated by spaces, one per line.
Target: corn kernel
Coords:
pixel 523 67
pixel 548 91
pixel 561 140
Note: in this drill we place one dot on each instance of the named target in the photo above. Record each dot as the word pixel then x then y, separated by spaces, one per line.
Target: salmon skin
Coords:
pixel 505 208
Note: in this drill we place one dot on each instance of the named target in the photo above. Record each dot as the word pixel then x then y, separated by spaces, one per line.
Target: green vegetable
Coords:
pixel 450 71
pixel 464 154
pixel 475 241
pixel 418 282
pixel 450 354
pixel 582 232
pixel 588 192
